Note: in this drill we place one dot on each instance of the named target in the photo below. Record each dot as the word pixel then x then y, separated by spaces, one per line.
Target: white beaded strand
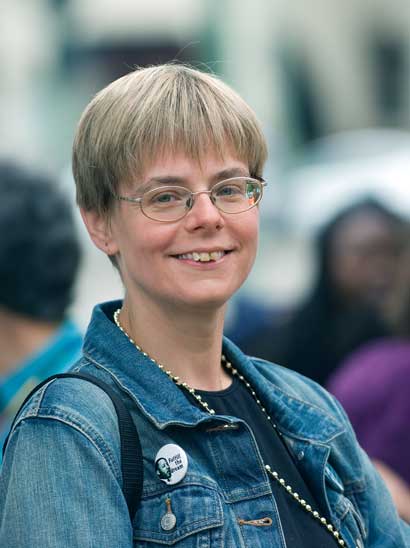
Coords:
pixel 281 481
pixel 274 474
pixel 176 379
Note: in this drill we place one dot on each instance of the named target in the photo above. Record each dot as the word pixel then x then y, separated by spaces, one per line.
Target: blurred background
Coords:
pixel 329 80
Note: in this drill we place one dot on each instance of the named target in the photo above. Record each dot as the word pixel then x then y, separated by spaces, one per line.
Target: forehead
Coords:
pixel 183 166
pixel 366 227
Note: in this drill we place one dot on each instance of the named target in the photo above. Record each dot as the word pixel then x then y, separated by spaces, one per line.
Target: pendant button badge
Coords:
pixel 168 520
pixel 171 464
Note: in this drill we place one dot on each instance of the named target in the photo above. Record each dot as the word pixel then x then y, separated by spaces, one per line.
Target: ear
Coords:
pixel 99 229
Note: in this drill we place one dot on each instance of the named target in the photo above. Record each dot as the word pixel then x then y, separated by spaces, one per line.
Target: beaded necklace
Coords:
pixel 275 475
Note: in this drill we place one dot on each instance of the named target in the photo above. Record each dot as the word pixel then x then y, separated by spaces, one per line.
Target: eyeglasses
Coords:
pixel 171 203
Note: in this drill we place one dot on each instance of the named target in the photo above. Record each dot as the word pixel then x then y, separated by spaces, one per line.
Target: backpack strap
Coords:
pixel 131 452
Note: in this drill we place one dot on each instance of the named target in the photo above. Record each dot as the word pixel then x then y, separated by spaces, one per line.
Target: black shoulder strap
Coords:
pixel 131 453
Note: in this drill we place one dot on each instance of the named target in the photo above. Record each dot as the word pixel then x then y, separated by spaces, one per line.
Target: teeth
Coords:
pixel 203 257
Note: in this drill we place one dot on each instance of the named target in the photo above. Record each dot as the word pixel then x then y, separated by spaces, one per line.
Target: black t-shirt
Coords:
pixel 299 527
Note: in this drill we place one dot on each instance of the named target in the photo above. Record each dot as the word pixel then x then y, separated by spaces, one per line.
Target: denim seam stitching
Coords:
pixel 55 414
pixel 37 401
pixel 141 409
pixel 207 524
pixel 296 399
pixel 217 520
pixel 122 387
pixel 154 490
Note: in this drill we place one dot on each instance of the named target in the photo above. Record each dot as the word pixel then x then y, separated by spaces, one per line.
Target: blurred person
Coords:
pixel 373 385
pixel 357 254
pixel 39 259
pixel 168 163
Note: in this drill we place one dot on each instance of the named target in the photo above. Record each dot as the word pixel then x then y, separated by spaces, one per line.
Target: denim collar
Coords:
pixel 165 404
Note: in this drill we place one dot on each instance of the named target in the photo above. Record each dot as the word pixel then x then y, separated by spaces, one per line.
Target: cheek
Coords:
pixel 350 275
pixel 146 238
pixel 249 230
pixel 247 234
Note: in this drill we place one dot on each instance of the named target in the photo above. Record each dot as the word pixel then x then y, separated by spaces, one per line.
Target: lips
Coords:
pixel 202 256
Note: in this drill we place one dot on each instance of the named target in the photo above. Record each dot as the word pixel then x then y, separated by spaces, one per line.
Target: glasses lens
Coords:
pixel 237 195
pixel 167 203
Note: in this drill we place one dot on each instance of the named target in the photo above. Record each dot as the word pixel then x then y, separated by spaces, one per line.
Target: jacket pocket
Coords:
pixel 189 515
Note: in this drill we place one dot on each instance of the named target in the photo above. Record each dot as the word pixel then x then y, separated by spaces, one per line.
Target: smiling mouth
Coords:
pixel 203 257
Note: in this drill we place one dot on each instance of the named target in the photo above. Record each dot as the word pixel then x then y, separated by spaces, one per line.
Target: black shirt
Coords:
pixel 299 527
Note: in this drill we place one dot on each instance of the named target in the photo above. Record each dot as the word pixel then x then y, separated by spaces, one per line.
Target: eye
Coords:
pixel 165 196
pixel 230 189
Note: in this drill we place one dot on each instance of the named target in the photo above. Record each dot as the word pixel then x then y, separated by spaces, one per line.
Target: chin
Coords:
pixel 204 303
pixel 204 300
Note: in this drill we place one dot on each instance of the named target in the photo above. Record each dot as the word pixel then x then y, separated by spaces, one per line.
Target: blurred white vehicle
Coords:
pixel 344 168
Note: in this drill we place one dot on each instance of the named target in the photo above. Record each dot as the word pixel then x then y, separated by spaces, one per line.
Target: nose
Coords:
pixel 191 199
pixel 203 213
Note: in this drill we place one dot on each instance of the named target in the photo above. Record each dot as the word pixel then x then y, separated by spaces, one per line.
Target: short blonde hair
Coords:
pixel 164 108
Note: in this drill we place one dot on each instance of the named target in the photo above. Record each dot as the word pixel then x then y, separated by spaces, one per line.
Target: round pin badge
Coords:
pixel 168 521
pixel 171 464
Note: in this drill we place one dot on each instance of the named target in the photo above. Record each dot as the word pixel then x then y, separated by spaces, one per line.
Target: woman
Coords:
pixel 168 166
pixel 373 385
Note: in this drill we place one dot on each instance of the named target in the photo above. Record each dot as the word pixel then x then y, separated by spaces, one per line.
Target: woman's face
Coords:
pixel 364 258
pixel 155 258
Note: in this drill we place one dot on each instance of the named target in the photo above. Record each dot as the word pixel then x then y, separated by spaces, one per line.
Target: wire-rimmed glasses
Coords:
pixel 171 203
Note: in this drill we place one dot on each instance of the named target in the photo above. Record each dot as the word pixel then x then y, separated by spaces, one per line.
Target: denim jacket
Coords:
pixel 60 484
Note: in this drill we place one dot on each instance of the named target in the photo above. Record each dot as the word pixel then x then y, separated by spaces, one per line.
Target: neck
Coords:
pixel 19 337
pixel 187 344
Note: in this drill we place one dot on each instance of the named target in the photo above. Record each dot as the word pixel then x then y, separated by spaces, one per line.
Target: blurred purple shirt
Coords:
pixel 373 385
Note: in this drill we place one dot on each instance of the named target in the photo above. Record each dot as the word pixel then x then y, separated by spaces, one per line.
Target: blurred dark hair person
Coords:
pixel 373 385
pixel 357 255
pixel 39 261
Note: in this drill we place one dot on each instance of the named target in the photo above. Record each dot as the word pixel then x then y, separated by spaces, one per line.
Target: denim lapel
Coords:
pixel 153 391
pixel 282 394
pixel 165 404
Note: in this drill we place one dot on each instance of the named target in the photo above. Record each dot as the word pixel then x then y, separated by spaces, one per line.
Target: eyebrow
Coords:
pixel 173 179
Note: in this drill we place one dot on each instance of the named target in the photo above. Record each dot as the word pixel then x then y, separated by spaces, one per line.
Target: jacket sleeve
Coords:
pixel 58 488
